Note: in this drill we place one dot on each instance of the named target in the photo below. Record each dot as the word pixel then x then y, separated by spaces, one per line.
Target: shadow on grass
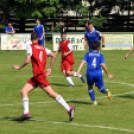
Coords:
pixel 59 84
pixel 127 96
pixel 79 102
pixel 10 118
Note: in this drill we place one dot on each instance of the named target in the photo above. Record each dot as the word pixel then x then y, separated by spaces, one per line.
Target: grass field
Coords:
pixel 48 117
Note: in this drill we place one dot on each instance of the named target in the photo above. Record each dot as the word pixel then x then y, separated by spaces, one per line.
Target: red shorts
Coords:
pixel 39 81
pixel 66 66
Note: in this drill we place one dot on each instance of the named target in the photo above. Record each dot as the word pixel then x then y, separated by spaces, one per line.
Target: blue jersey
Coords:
pixel 8 29
pixel 94 60
pixel 92 37
pixel 39 29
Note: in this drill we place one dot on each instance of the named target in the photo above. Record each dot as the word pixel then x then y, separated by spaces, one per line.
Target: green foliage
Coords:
pixel 2 26
pixel 57 28
pixel 97 21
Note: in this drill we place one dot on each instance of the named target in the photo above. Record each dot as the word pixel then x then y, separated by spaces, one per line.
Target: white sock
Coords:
pixel 62 102
pixel 26 105
pixel 75 75
pixel 70 80
pixel 102 71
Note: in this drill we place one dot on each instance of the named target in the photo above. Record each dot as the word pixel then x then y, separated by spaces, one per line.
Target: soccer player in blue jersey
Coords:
pixel 92 35
pixel 41 32
pixel 95 60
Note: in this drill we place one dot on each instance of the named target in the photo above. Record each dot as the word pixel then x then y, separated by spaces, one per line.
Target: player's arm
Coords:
pixel 8 32
pixel 107 72
pixel 103 40
pixel 27 61
pixel 85 40
pixel 58 51
pixel 43 30
pixel 80 67
pixel 13 30
pixel 85 43
pixel 70 48
pixel 132 49
pixel 53 58
pixel 85 60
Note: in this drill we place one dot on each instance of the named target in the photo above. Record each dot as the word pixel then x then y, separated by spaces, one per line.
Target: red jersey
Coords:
pixel 38 56
pixel 66 47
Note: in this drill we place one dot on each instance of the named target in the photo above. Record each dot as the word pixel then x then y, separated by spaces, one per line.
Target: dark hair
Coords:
pixel 95 45
pixel 63 33
pixel 60 20
pixel 38 20
pixel 89 23
pixel 86 21
pixel 9 23
pixel 34 36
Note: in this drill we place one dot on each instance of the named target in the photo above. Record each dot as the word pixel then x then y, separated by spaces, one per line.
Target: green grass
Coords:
pixel 117 113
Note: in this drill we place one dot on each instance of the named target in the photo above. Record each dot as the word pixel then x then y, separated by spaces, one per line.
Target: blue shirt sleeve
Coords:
pixel 98 33
pixel 43 28
pixel 86 57
pixel 6 29
pixel 102 59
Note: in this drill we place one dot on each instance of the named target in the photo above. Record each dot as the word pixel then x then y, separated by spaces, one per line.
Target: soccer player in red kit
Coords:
pixel 67 61
pixel 37 54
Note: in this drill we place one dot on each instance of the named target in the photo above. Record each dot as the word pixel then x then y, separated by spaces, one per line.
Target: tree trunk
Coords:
pixel 4 18
pixel 22 25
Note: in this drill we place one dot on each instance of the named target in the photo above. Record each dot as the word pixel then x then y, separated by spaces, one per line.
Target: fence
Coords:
pixel 113 41
pixel 115 23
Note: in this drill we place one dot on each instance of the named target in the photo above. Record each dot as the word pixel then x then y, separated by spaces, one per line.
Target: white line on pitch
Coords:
pixel 130 92
pixel 85 125
pixel 76 124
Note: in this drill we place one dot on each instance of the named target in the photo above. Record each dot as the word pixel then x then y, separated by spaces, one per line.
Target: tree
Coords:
pixel 27 9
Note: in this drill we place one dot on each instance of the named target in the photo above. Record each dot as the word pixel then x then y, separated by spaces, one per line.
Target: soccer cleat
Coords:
pixel 95 103
pixel 83 79
pixel 72 85
pixel 23 117
pixel 109 94
pixel 71 113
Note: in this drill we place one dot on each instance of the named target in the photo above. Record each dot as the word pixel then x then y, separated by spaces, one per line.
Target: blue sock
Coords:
pixel 103 90
pixel 92 94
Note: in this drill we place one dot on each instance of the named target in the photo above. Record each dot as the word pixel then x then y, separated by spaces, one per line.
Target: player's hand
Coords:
pixel 126 56
pixel 103 45
pixel 16 67
pixel 78 74
pixel 110 76
pixel 65 54
pixel 48 72
pixel 40 38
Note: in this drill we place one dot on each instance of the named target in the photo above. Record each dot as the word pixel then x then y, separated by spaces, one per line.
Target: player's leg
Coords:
pixel 92 94
pixel 68 78
pixel 60 100
pixel 73 73
pixel 90 82
pixel 69 70
pixel 24 93
pixel 99 83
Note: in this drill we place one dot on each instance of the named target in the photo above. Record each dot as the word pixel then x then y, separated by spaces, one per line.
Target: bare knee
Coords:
pixel 68 72
pixel 21 92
